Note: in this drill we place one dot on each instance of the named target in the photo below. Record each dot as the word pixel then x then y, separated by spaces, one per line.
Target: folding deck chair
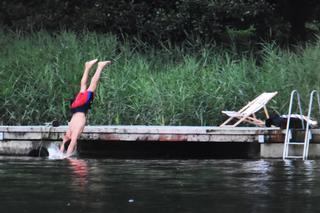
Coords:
pixel 247 113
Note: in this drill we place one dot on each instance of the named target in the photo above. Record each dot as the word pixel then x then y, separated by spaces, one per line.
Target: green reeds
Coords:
pixel 169 85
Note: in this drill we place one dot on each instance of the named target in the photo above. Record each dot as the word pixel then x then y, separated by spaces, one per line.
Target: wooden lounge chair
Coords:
pixel 247 113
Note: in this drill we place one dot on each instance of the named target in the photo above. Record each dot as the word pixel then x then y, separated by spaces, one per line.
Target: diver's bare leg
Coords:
pixel 84 79
pixel 95 79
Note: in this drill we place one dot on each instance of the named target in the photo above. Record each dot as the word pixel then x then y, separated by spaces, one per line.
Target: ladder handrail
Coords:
pixel 287 138
pixel 307 134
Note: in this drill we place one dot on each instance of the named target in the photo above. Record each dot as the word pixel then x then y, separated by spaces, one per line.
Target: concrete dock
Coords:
pixel 157 141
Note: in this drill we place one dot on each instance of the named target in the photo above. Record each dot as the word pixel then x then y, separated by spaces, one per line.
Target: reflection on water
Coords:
pixel 80 171
pixel 105 185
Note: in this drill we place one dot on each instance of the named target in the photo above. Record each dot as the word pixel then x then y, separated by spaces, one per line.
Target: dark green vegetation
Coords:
pixel 170 85
pixel 176 20
pixel 176 62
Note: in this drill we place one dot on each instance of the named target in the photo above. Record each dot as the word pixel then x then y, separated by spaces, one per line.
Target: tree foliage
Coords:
pixel 175 20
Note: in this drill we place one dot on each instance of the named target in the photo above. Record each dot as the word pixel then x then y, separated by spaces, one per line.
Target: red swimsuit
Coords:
pixel 82 102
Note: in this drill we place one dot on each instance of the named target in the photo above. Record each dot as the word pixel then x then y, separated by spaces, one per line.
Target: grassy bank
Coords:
pixel 39 73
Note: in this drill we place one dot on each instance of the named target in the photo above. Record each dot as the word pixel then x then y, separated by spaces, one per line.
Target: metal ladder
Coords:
pixel 288 135
pixel 308 134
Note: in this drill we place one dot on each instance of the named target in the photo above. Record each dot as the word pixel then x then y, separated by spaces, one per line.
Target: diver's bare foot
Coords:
pixel 89 64
pixel 102 64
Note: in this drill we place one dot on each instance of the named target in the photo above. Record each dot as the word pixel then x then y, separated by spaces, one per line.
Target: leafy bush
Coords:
pixel 150 20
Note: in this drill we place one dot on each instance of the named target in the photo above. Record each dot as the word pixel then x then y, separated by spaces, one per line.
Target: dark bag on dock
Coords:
pixel 281 121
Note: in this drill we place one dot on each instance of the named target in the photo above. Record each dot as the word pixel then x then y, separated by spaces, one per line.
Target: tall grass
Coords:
pixel 169 85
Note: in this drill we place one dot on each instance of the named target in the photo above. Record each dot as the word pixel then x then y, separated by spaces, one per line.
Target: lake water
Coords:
pixel 150 186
